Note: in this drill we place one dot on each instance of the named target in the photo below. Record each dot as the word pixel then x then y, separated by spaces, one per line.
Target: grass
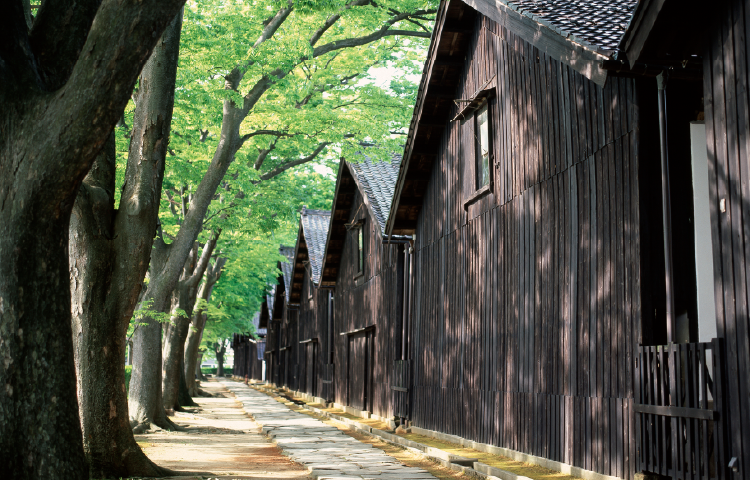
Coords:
pixel 534 472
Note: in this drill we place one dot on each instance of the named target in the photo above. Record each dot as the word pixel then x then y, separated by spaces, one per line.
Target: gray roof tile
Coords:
pixel 600 24
pixel 378 179
pixel 315 227
pixel 256 322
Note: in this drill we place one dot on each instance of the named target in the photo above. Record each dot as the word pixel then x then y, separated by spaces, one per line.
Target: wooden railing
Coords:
pixel 400 387
pixel 679 411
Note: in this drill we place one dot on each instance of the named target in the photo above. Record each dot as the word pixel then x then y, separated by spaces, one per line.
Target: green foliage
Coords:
pixel 228 371
pixel 145 310
pixel 315 109
pixel 128 373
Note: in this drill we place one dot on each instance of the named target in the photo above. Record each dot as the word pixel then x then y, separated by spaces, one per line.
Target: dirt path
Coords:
pixel 220 440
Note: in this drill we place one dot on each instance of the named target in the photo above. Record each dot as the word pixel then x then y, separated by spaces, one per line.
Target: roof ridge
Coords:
pixel 308 211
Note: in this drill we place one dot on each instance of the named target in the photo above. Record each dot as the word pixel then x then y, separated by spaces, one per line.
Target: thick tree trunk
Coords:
pixel 99 326
pixel 174 342
pixel 40 436
pixel 108 260
pixel 58 109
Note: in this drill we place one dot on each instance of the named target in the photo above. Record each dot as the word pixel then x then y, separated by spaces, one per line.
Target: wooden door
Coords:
pixel 355 373
pixel 359 371
pixel 310 368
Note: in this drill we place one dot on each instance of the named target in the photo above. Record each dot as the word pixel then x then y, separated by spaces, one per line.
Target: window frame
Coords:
pixel 359 249
pixel 479 161
pixel 468 115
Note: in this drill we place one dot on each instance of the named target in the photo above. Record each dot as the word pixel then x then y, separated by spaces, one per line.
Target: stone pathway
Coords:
pixel 325 450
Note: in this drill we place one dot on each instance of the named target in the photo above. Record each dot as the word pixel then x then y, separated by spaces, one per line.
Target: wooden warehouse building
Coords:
pixel 566 302
pixel 273 309
pixel 249 351
pixel 301 328
pixel 364 270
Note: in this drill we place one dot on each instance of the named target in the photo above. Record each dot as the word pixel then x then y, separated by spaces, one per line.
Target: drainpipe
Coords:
pixel 661 82
pixel 405 300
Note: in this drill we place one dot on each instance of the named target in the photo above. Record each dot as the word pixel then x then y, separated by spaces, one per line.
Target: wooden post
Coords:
pixel 661 81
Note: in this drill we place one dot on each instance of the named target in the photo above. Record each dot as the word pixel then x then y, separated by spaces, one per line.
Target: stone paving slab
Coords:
pixel 326 451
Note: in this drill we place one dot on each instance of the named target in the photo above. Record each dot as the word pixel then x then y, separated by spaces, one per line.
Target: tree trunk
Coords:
pixel 58 110
pixel 174 341
pixel 192 355
pixel 220 359
pixel 146 403
pixel 145 397
pixel 198 322
pixel 198 370
pixel 109 252
pixel 183 397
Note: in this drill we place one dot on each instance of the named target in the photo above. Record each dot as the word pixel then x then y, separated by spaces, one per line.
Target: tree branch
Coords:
pixel 208 250
pixel 275 133
pixel 77 120
pixel 58 35
pixel 330 21
pixel 376 35
pixel 286 166
pixel 263 154
pixel 235 76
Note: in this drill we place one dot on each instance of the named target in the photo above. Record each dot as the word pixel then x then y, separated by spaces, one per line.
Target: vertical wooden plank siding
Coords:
pixel 525 305
pixel 727 117
pixel 364 360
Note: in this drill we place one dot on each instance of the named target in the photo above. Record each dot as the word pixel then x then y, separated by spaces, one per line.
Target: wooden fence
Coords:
pixel 679 411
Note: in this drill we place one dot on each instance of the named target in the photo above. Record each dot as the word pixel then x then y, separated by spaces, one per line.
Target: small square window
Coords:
pixel 482 129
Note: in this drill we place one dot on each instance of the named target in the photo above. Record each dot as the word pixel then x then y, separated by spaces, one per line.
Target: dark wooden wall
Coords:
pixel 370 301
pixel 313 316
pixel 246 360
pixel 727 110
pixel 288 348
pixel 526 306
pixel 272 351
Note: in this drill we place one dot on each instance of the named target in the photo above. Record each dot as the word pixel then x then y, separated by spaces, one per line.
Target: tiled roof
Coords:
pixel 269 299
pixel 256 322
pixel 378 179
pixel 287 268
pixel 599 24
pixel 315 227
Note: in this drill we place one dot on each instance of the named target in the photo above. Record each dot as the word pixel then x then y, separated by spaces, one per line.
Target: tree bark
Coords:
pixel 174 342
pixel 109 252
pixel 59 108
pixel 145 401
pixel 99 327
pixel 193 356
pixel 198 322
pixel 220 358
